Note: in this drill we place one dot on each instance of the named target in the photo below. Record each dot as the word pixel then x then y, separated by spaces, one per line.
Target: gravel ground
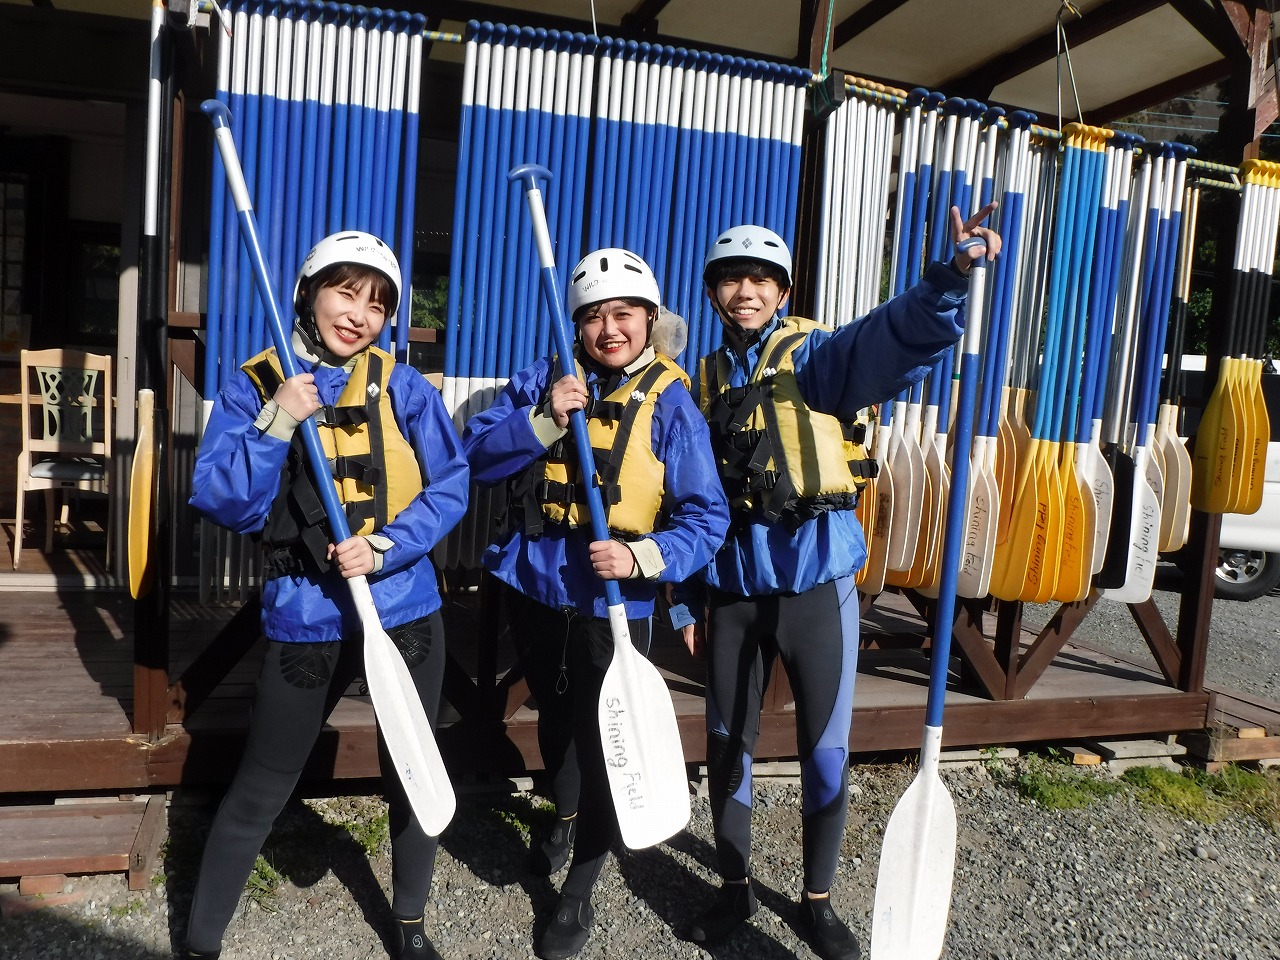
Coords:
pixel 1118 880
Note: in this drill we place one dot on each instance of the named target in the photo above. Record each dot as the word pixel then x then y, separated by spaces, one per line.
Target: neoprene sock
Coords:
pixel 548 856
pixel 413 940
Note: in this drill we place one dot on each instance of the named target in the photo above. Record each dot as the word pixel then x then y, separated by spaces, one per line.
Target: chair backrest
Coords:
pixel 75 402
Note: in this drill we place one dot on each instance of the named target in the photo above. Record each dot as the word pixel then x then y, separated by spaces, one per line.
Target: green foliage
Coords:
pixel 126 908
pixel 1247 790
pixel 264 883
pixel 1056 785
pixel 992 761
pixel 1208 797
pixel 365 819
pixel 1183 792
pixel 371 833
pixel 430 304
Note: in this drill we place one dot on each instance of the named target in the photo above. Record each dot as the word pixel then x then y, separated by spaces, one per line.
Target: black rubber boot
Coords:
pixel 827 933
pixel 550 855
pixel 412 940
pixel 568 931
pixel 734 904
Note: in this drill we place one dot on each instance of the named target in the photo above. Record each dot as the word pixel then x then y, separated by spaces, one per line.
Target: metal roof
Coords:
pixel 1125 54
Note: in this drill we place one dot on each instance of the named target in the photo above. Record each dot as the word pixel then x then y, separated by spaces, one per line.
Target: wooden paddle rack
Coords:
pixel 1003 662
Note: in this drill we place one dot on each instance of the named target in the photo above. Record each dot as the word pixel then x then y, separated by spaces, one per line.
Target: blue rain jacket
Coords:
pixel 554 568
pixel 237 475
pixel 839 372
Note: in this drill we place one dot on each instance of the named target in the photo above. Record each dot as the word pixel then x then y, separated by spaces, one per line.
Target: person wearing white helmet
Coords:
pixel 781 395
pixel 666 513
pixel 400 473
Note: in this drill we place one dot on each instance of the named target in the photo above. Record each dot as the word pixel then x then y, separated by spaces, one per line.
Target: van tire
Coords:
pixel 1246 574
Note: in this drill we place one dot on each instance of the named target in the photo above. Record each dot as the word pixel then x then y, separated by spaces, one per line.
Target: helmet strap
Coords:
pixel 309 334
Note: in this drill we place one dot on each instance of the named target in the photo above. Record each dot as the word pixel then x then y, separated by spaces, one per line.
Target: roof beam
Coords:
pixel 465 10
pixel 862 20
pixel 811 40
pixel 1167 90
pixel 645 16
pixel 1213 23
pixel 980 82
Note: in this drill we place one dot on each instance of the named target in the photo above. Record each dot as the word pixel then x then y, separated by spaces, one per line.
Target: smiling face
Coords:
pixel 614 332
pixel 748 298
pixel 349 315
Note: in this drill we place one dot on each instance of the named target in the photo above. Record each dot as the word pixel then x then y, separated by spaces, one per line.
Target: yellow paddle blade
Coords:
pixel 1175 506
pixel 1075 569
pixel 1013 445
pixel 866 514
pixel 1239 425
pixel 1010 570
pixel 1046 550
pixel 1211 462
pixel 1260 423
pixel 141 487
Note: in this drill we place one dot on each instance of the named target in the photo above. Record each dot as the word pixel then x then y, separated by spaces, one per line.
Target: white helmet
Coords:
pixel 611 274
pixel 749 242
pixel 355 247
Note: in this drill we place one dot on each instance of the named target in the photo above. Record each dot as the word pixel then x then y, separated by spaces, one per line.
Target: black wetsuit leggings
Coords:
pixel 816 635
pixel 565 657
pixel 298 688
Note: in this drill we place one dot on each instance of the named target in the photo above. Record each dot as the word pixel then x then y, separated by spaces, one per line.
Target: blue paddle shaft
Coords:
pixel 319 463
pixel 529 174
pixel 953 536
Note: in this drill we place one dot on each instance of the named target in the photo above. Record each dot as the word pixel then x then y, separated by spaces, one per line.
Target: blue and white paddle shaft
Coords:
pixel 917 861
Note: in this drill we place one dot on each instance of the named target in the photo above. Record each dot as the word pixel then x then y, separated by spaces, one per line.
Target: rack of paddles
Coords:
pixel 1078 478
pixel 652 148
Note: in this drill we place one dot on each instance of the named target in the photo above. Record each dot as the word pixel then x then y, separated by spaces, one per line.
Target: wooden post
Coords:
pixel 151 611
pixel 1251 101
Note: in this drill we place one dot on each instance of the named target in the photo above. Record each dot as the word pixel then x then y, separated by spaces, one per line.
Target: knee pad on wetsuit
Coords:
pixel 729 764
pixel 823 775
pixel 306 666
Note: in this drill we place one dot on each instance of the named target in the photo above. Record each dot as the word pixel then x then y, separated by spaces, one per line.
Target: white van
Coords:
pixel 1249 546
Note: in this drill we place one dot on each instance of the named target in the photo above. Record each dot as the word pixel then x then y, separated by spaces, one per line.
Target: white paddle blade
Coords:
pixel 643 755
pixel 403 721
pixel 917 866
pixel 1144 538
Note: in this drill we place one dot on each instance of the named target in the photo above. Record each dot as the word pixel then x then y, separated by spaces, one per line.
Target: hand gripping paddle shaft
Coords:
pixel 643 755
pixel 399 710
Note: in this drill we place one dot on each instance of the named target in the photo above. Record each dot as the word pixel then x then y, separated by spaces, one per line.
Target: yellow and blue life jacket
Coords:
pixel 778 458
pixel 620 426
pixel 375 471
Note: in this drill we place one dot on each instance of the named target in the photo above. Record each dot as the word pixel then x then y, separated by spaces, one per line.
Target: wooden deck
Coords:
pixel 67 681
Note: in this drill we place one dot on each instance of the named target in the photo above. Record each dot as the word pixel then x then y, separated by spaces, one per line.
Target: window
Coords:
pixel 93 283
pixel 14 322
